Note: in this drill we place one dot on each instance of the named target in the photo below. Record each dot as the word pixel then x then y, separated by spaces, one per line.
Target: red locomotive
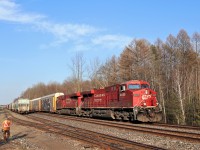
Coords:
pixel 132 100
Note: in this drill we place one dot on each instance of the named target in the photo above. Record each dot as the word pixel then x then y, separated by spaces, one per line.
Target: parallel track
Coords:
pixel 178 126
pixel 102 140
pixel 183 135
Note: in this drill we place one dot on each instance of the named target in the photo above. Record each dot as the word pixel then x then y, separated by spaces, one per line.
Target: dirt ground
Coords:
pixel 27 138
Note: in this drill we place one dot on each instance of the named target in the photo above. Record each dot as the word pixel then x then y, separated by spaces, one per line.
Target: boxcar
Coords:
pixel 35 105
pixel 10 106
pixel 48 103
pixel 23 105
pixel 15 106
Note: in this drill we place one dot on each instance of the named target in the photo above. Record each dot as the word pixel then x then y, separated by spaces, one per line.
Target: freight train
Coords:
pixel 133 100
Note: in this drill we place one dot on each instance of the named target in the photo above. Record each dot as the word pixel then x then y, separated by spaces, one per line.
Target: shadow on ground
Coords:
pixel 14 137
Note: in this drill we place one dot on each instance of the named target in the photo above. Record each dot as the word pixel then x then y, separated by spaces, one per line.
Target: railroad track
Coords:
pixel 168 132
pixel 102 140
pixel 196 128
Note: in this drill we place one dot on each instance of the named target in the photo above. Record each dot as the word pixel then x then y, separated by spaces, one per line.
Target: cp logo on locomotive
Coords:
pixel 144 97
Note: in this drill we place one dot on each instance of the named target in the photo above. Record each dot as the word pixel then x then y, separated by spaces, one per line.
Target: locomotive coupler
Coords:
pixel 151 113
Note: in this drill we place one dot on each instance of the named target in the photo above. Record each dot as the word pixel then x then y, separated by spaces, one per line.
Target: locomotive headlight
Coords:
pixel 145 104
pixel 146 91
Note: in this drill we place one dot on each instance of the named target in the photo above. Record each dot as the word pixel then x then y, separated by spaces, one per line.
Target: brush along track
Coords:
pixel 151 129
pixel 102 140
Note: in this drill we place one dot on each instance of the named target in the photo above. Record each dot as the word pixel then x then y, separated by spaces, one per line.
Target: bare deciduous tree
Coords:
pixel 77 68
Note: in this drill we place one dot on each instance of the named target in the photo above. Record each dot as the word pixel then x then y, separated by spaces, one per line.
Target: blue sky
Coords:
pixel 38 38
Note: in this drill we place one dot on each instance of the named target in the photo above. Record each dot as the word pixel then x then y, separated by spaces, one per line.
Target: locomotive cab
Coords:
pixel 134 85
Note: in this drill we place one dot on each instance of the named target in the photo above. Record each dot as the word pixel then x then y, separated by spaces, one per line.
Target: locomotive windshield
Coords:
pixel 133 86
pixel 137 86
pixel 143 86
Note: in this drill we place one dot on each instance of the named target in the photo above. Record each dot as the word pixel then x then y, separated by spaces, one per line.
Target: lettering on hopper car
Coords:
pixel 144 97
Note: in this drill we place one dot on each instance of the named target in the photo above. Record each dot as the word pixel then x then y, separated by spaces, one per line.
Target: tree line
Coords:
pixel 171 67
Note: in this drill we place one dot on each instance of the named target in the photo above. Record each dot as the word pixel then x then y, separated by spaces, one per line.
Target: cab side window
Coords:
pixel 122 88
